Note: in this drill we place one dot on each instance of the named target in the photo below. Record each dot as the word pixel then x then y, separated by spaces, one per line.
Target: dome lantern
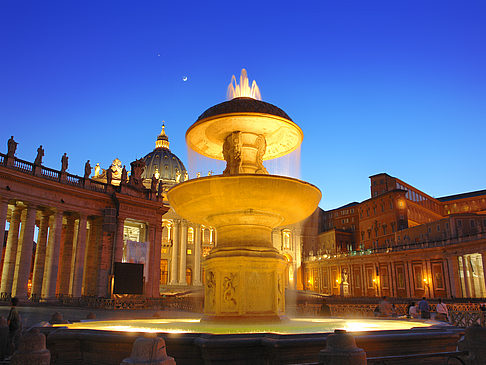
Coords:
pixel 162 140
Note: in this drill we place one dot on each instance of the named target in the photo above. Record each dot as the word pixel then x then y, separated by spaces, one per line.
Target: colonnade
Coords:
pixel 471 275
pixel 72 255
pixel 178 260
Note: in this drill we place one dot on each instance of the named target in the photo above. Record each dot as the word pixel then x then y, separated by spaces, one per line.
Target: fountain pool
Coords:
pixel 291 326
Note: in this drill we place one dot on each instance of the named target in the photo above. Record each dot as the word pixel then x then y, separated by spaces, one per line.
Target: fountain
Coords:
pixel 244 274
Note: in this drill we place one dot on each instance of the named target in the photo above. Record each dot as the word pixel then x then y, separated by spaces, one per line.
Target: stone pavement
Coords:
pixel 31 315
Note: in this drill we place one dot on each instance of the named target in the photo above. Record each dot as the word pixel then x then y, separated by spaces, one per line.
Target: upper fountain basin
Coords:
pixel 246 199
pixel 207 135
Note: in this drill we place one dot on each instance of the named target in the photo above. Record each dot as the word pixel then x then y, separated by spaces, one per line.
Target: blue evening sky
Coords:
pixel 376 86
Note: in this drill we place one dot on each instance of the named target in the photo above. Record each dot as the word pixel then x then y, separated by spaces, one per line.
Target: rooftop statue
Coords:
pixel 64 162
pixel 87 170
pixel 97 170
pixel 178 176
pixel 38 158
pixel 12 147
pixel 137 168
pixel 186 176
pixel 153 183
pixel 124 175
pixel 109 175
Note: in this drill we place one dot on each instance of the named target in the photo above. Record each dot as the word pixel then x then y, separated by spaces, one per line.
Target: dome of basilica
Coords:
pixel 162 163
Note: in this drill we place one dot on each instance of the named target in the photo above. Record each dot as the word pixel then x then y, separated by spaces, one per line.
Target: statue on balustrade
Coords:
pixel 124 175
pixel 109 175
pixel 64 162
pixel 178 176
pixel 87 170
pixel 97 170
pixel 153 183
pixel 11 147
pixel 186 176
pixel 137 168
pixel 38 158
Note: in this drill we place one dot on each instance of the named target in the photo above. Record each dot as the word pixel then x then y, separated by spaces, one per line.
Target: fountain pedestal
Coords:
pixel 244 283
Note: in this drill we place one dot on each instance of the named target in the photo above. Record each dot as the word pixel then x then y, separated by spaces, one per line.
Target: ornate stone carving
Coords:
pixel 210 291
pixel 243 153
pixel 230 283
pixel 261 146
pixel 232 153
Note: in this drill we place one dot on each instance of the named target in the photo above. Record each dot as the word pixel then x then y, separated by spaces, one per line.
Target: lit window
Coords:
pixel 189 251
pixel 286 240
pixel 190 235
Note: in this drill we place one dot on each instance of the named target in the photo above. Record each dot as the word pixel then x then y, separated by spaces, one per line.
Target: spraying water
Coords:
pixel 243 89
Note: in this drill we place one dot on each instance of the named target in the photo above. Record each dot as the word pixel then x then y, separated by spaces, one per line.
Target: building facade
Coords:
pixel 80 227
pixel 408 245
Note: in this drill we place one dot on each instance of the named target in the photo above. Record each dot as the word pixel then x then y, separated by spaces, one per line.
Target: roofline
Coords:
pixel 470 194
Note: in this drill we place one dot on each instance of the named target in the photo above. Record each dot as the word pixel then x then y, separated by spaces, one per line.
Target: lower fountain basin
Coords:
pixel 244 208
pixel 190 341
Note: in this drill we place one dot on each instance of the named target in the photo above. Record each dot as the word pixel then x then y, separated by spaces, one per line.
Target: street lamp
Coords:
pixel 426 283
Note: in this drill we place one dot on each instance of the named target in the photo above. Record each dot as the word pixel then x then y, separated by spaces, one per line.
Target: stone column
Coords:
pixel 119 242
pixel 24 254
pixel 197 256
pixel 66 256
pixel 40 256
pixel 483 256
pixel 451 275
pixel 79 258
pixel 52 257
pixel 11 253
pixel 91 267
pixel 154 267
pixel 183 254
pixel 3 219
pixel 175 252
pixel 467 282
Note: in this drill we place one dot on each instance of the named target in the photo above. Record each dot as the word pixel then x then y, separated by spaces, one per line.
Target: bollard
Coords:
pixel 341 349
pixel 32 350
pixel 149 351
pixel 474 341
pixel 57 318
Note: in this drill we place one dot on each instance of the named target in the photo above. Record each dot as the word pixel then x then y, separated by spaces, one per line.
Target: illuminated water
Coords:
pixel 293 326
